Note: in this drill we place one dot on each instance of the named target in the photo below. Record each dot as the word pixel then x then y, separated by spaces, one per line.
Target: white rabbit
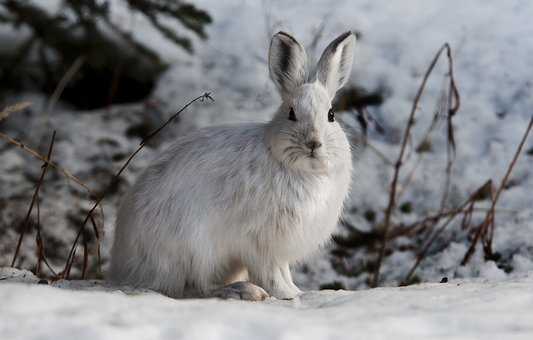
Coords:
pixel 230 203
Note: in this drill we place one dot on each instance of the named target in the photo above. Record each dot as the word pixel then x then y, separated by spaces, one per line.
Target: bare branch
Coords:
pixel 489 218
pixel 12 109
pixel 422 254
pixel 398 164
pixel 72 70
pixel 34 198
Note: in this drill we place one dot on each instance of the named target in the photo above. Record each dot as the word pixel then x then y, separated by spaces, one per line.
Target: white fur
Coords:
pixel 229 200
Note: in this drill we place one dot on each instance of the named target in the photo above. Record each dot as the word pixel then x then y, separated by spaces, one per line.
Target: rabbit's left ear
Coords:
pixel 335 65
pixel 287 63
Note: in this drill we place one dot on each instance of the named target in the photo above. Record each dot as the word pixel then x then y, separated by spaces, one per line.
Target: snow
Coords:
pixel 492 42
pixel 460 309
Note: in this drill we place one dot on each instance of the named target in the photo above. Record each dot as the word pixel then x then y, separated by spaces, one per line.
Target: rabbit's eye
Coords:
pixel 292 115
pixel 331 116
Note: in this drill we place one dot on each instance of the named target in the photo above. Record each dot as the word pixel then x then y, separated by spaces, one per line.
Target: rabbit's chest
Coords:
pixel 304 215
pixel 311 200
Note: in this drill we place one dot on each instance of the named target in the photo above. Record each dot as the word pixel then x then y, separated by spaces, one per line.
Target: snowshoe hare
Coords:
pixel 225 210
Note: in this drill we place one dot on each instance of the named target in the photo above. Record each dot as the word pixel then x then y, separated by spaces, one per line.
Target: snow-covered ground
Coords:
pixel 466 309
pixel 492 44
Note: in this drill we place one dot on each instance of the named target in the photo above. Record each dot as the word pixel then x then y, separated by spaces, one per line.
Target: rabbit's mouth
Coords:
pixel 316 155
pixel 317 162
pixel 300 157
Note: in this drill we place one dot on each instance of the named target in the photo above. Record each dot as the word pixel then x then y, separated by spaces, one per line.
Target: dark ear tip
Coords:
pixel 285 34
pixel 282 33
pixel 346 35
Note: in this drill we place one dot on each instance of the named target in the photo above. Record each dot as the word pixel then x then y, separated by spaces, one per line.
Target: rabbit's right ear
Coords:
pixel 287 63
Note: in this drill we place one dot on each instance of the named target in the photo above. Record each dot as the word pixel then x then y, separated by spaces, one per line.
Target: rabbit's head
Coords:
pixel 304 134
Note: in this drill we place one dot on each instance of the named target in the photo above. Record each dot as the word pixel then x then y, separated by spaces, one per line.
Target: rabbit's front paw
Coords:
pixel 241 290
pixel 286 294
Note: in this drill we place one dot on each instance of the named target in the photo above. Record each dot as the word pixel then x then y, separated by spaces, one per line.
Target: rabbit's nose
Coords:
pixel 313 144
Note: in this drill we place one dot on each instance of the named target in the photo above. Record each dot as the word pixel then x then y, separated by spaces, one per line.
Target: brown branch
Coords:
pixel 70 259
pixel 434 219
pixel 54 165
pixel 40 244
pixel 454 102
pixel 422 254
pixel 398 164
pixel 38 239
pixel 41 252
pixel 379 153
pixel 430 221
pixel 34 198
pixel 489 218
pixel 58 168
pixel 71 72
pixel 13 108
pixel 425 140
pixel 203 97
pixel 98 254
pixel 85 258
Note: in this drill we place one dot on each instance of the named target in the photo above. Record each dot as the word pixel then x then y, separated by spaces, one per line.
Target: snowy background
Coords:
pixel 492 44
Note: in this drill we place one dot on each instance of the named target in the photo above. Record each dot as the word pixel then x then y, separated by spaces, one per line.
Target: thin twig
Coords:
pixel 380 154
pixel 98 254
pixel 398 164
pixel 203 97
pixel 433 218
pixel 38 239
pixel 454 102
pixel 85 258
pixel 117 72
pixel 489 218
pixel 72 70
pixel 422 254
pixel 35 195
pixel 419 149
pixel 58 168
pixel 54 165
pixel 12 109
pixel 41 252
pixel 70 259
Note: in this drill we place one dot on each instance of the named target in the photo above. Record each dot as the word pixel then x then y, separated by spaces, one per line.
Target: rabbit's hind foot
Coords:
pixel 242 290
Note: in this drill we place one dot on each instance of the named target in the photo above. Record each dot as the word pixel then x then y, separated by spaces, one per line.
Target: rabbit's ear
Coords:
pixel 335 65
pixel 287 63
